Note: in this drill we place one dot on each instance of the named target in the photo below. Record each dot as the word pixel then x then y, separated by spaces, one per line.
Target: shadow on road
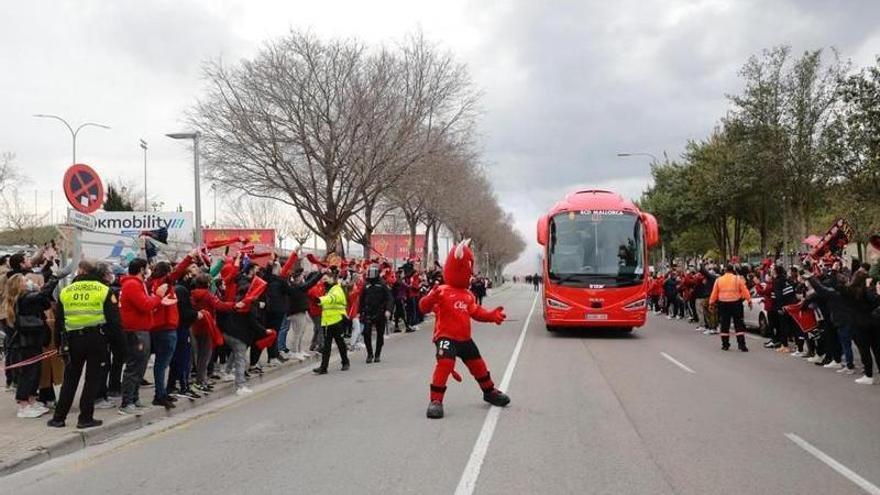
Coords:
pixel 594 333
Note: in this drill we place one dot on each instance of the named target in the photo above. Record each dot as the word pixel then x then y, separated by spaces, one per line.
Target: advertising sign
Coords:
pixel 116 234
pixel 396 246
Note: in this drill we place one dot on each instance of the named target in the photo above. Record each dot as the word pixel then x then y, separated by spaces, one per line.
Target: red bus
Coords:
pixel 595 263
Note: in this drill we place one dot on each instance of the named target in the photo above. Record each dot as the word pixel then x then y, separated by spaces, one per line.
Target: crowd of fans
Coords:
pixel 202 321
pixel 817 310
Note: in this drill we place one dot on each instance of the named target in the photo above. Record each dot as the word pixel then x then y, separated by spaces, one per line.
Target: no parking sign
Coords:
pixel 83 188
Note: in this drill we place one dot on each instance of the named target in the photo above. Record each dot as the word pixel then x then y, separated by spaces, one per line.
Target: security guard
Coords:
pixel 87 312
pixel 728 295
pixel 333 320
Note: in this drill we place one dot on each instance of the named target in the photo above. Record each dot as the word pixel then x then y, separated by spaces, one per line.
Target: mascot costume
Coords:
pixel 454 306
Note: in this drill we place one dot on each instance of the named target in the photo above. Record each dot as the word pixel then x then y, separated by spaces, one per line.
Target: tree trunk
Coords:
pixel 413 225
pixel 424 262
pixel 435 241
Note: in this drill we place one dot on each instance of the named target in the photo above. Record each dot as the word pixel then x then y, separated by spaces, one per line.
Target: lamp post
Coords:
pixel 73 132
pixel 198 209
pixel 640 153
pixel 143 145
pixel 214 190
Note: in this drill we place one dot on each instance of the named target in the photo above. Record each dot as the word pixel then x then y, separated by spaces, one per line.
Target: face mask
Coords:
pixel 147 274
pixel 30 286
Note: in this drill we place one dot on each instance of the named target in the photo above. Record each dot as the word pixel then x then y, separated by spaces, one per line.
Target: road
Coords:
pixel 591 413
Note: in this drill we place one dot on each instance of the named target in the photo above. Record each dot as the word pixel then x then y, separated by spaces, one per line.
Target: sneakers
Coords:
pixel 189 394
pixel 435 410
pixel 710 331
pixel 782 349
pixel 164 402
pixel 227 377
pixel 700 329
pixel 319 371
pixel 55 423
pixel 865 380
pixel 815 359
pixel 31 411
pixel 797 354
pixel 833 365
pixel 847 371
pixel 670 317
pixel 243 390
pixel 743 348
pixel 273 363
pixel 82 425
pixel 104 404
pixel 128 409
pixel 369 359
pixel 346 366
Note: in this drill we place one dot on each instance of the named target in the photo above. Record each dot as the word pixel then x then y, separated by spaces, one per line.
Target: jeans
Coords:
pixel 333 333
pixel 137 354
pixel 283 329
pixel 237 362
pixel 164 342
pixel 845 335
pixel 298 324
pixel 204 349
pixel 318 335
pixel 181 363
pixel 356 331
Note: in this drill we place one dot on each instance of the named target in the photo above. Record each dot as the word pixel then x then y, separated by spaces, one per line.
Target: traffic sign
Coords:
pixel 83 188
pixel 82 221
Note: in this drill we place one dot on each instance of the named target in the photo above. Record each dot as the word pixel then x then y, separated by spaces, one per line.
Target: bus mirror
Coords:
pixel 652 231
pixel 543 230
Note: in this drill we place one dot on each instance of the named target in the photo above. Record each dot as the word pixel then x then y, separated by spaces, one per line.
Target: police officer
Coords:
pixel 728 295
pixel 87 312
pixel 376 306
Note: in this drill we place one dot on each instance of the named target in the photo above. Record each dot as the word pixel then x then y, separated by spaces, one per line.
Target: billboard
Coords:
pixel 116 234
pixel 263 241
pixel 396 246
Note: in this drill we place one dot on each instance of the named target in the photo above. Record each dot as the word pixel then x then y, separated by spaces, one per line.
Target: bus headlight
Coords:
pixel 635 306
pixel 553 303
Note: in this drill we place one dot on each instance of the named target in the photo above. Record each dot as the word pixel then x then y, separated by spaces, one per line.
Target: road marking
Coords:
pixel 833 464
pixel 468 480
pixel 676 362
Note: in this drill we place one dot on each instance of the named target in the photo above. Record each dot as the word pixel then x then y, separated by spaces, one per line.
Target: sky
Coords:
pixel 566 85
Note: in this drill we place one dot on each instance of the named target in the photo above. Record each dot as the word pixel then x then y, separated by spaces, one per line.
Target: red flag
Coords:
pixel 266 341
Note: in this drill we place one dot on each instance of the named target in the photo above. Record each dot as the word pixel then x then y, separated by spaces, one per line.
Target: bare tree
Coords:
pixel 326 126
pixel 247 212
pixel 9 174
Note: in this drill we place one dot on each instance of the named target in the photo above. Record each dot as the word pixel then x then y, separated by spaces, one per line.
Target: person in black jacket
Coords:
pixel 783 295
pixel 376 306
pixel 181 362
pixel 25 306
pixel 843 316
pixel 298 318
pixel 277 299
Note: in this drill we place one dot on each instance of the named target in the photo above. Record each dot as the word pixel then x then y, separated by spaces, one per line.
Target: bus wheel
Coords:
pixel 627 329
pixel 551 329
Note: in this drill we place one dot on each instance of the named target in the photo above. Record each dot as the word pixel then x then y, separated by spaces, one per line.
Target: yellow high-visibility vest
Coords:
pixel 83 304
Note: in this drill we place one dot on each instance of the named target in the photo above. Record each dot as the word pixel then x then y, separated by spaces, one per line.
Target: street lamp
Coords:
pixel 73 132
pixel 640 153
pixel 143 145
pixel 195 139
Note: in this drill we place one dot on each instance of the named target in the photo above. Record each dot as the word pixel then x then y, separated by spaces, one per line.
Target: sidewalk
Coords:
pixel 27 442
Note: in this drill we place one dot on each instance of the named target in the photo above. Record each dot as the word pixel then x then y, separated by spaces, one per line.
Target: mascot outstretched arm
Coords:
pixel 454 306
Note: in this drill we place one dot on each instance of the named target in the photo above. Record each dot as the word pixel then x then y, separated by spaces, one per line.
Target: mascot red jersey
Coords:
pixel 454 305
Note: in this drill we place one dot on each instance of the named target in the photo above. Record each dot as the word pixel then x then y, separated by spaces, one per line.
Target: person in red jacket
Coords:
pixel 655 289
pixel 205 330
pixel 315 313
pixel 454 306
pixel 163 335
pixel 136 310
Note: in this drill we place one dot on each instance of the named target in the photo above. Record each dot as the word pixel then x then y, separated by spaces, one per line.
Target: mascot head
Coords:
pixel 459 266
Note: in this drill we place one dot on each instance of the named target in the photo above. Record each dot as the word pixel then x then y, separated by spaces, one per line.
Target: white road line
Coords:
pixel 676 362
pixel 468 480
pixel 833 464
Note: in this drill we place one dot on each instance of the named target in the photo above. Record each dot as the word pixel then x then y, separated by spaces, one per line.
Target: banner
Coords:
pixel 258 241
pixel 396 246
pixel 115 238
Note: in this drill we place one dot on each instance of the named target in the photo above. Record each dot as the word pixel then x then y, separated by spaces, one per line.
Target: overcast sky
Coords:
pixel 567 84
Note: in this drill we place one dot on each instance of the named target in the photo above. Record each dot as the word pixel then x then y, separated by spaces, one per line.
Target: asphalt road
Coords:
pixel 591 413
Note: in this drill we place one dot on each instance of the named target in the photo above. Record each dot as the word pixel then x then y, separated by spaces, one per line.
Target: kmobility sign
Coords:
pixel 116 234
pixel 179 224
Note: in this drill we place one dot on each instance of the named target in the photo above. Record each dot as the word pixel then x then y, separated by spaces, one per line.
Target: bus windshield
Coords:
pixel 595 247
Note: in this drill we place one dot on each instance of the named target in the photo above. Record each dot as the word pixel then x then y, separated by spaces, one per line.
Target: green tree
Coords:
pixel 115 201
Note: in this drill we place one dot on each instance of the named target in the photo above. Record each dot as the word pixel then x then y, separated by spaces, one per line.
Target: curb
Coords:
pixel 77 440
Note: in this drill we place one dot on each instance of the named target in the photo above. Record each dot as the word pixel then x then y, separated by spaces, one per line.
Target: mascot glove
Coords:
pixel 498 315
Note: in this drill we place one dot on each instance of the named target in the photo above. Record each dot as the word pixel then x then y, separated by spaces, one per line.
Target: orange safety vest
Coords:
pixel 730 288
